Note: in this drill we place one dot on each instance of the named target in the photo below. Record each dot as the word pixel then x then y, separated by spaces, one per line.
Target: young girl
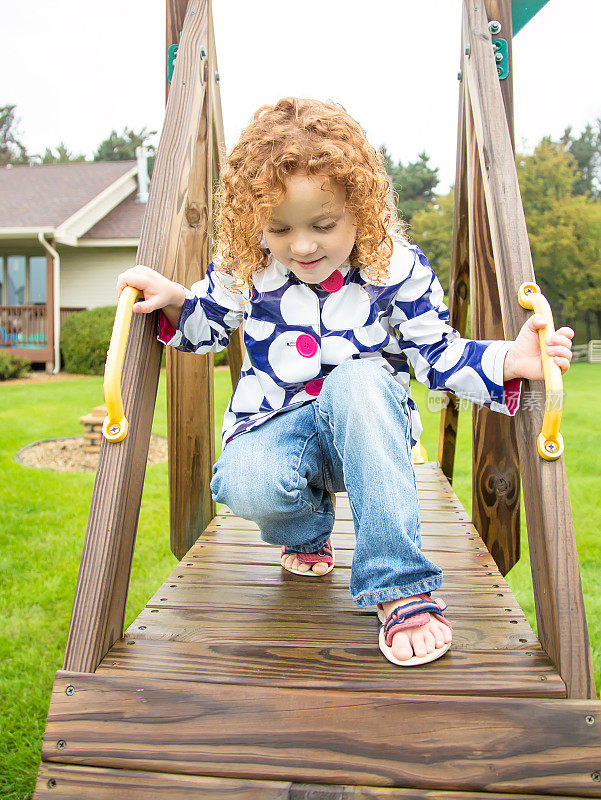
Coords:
pixel 334 304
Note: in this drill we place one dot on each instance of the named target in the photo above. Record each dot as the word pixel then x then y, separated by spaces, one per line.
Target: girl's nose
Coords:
pixel 302 246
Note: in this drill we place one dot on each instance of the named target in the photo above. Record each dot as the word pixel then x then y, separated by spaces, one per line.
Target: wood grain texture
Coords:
pixel 555 572
pixel 495 466
pixel 509 673
pixel 338 737
pixel 458 283
pixel 190 402
pixel 99 606
pixel 68 782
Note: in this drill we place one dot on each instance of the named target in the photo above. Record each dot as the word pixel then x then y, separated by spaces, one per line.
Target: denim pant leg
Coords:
pixel 273 475
pixel 363 423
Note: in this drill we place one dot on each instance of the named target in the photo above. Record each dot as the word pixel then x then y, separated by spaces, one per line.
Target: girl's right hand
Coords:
pixel 159 291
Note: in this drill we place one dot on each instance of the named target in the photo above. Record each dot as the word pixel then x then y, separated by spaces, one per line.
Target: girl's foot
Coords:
pixel 318 563
pixel 417 641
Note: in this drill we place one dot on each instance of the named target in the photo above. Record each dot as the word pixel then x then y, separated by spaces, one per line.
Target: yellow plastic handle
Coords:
pixel 114 427
pixel 418 453
pixel 550 441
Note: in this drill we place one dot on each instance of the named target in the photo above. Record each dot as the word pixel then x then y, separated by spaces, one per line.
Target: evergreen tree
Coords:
pixel 12 150
pixel 414 185
pixel 62 156
pixel 122 147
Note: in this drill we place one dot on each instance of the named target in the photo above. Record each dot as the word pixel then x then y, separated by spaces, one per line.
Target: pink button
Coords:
pixel 334 282
pixel 306 345
pixel 314 387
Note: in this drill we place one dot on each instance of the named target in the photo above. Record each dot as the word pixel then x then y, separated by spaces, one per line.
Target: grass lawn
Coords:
pixel 43 517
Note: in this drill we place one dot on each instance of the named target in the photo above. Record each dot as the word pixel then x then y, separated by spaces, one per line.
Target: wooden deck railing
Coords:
pixel 27 325
pixel 486 167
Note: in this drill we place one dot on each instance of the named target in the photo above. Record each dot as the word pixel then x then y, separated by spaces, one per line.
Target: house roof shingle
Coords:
pixel 123 222
pixel 47 195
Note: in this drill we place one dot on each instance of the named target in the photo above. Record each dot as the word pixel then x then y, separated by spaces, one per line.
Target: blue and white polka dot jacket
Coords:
pixel 296 333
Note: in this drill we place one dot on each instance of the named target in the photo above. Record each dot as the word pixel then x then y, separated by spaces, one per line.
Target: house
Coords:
pixel 66 232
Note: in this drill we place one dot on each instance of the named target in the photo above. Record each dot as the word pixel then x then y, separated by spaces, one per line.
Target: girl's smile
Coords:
pixel 310 231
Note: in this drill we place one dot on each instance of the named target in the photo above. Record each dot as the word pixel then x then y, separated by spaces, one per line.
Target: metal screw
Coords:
pixel 499 57
pixel 542 677
pixel 61 744
pixel 550 447
pixel 217 79
pixel 494 26
pixel 51 784
pixel 459 76
pixel 203 53
pixel 590 720
pixel 114 429
pixel 596 776
pixel 528 290
pixel 70 690
pixel 468 50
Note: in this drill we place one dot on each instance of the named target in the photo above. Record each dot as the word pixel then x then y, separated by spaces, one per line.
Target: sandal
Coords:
pixel 325 554
pixel 412 615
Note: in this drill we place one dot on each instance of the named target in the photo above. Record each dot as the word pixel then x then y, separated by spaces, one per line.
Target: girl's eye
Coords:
pixel 325 227
pixel 283 230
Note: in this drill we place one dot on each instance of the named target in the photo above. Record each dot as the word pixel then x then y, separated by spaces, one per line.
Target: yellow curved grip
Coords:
pixel 550 441
pixel 418 453
pixel 114 427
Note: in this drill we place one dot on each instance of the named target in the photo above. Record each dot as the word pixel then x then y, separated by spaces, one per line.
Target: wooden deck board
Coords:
pixel 229 613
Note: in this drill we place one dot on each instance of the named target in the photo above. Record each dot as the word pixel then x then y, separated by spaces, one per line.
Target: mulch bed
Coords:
pixel 68 455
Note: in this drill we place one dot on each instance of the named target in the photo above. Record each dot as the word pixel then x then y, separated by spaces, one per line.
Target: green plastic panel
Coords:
pixel 522 12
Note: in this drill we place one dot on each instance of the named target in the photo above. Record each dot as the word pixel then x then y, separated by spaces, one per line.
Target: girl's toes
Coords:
pixel 401 646
pixel 320 568
pixel 419 645
pixel 300 565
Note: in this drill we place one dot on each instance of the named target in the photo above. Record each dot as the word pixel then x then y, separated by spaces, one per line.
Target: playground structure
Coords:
pixel 212 692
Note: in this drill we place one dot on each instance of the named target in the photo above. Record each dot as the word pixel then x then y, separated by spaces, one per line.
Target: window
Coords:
pixel 22 280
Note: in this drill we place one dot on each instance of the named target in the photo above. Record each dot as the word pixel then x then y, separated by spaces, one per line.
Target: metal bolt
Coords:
pixel 203 53
pixel 114 429
pixel 596 776
pixel 590 720
pixel 51 784
pixel 459 76
pixel 70 690
pixel 468 50
pixel 217 76
pixel 61 744
pixel 494 26
pixel 499 57
pixel 542 677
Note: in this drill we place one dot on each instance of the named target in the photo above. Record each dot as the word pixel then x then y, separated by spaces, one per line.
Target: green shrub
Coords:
pixel 11 367
pixel 220 358
pixel 85 340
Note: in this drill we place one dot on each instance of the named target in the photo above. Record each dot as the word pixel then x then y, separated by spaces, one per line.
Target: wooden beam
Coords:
pixel 100 597
pixel 74 782
pixel 190 404
pixel 236 349
pixel 329 736
pixel 558 598
pixel 458 284
pixel 495 465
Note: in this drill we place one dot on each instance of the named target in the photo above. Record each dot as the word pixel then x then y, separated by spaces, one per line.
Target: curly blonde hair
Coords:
pixel 314 138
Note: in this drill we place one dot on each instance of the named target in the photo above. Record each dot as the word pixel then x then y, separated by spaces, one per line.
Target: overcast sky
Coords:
pixel 76 70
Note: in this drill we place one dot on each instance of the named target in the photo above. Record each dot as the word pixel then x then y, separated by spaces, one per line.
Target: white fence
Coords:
pixel 590 352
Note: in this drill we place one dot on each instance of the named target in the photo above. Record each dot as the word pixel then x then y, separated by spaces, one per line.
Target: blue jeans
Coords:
pixel 353 437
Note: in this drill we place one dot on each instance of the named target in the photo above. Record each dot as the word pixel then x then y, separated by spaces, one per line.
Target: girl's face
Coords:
pixel 310 231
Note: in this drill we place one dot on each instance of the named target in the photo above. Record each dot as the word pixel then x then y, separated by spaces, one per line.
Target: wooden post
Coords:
pixel 102 584
pixel 458 282
pixel 560 614
pixel 495 464
pixel 190 406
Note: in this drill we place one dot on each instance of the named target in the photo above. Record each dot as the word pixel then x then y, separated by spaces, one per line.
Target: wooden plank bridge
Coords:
pixel 251 676
pixel 241 680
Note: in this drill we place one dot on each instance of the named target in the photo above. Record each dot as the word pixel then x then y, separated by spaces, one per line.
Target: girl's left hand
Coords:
pixel 523 359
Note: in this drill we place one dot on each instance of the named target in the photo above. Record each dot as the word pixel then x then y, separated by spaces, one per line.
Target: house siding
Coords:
pixel 89 275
